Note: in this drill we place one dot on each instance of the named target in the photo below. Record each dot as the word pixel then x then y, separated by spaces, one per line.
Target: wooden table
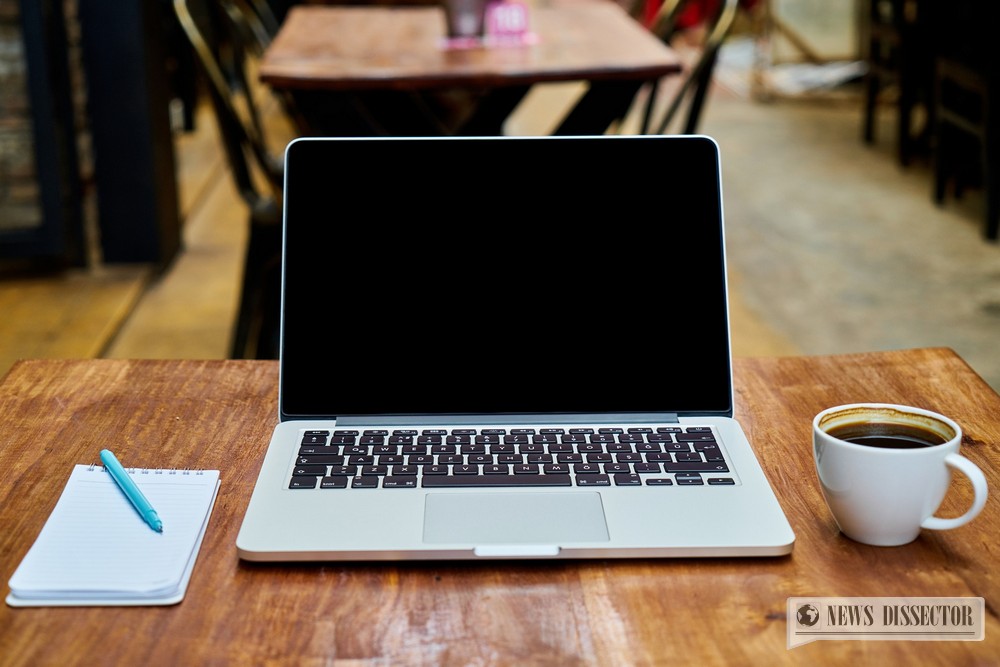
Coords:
pixel 219 414
pixel 345 68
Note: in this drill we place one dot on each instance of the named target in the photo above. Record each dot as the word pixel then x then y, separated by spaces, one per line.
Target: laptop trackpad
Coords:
pixel 514 518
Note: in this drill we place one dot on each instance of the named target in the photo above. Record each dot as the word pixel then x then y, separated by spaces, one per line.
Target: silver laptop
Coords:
pixel 506 348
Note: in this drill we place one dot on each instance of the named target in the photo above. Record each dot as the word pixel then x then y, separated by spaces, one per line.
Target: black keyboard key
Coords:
pixel 625 479
pixel 338 482
pixel 721 481
pixel 496 469
pixel 689 479
pixel 307 470
pixel 320 459
pixel 696 466
pixel 370 482
pixel 593 480
pixel 405 482
pixel 659 481
pixel 695 437
pixel 374 471
pixel 495 480
pixel 303 483
pixel 313 440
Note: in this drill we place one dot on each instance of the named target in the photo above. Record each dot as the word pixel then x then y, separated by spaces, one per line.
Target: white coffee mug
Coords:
pixel 883 495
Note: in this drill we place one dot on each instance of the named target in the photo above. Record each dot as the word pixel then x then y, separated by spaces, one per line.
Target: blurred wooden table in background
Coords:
pixel 346 68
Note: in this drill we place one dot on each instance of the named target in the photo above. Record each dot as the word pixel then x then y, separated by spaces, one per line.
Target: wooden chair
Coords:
pixel 967 105
pixel 698 77
pixel 897 37
pixel 219 32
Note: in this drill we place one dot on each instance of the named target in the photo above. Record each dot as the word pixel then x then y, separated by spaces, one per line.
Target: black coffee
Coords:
pixel 887 436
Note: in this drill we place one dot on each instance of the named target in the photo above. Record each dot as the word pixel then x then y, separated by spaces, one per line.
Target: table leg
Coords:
pixel 491 111
pixel 604 103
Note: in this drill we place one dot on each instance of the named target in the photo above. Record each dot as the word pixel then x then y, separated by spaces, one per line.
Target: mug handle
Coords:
pixel 975 475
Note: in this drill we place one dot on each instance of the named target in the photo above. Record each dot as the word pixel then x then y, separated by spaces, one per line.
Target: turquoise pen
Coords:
pixel 131 491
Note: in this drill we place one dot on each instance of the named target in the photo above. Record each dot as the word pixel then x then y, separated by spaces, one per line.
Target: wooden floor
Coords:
pixel 188 311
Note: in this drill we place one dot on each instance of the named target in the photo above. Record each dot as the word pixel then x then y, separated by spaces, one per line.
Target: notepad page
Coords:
pixel 95 544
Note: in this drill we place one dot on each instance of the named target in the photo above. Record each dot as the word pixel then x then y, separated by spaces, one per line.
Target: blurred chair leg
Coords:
pixel 259 308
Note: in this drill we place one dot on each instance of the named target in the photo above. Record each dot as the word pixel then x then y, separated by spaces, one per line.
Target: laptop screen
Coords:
pixel 508 275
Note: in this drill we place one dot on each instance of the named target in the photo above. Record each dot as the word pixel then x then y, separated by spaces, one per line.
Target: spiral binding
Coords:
pixel 154 471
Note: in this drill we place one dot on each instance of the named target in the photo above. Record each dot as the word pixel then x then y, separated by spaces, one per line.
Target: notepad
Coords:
pixel 96 550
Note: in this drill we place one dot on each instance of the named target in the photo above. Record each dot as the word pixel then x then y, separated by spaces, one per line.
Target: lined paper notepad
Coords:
pixel 95 549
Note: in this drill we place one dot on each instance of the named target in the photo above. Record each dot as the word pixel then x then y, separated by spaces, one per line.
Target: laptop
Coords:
pixel 506 347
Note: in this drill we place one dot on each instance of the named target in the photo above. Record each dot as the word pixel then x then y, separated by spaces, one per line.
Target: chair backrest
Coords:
pixel 694 84
pixel 223 34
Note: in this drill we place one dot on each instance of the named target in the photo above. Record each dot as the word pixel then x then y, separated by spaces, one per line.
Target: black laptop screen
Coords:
pixel 504 275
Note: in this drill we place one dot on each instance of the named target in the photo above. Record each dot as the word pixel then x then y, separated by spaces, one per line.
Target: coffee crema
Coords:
pixel 887 435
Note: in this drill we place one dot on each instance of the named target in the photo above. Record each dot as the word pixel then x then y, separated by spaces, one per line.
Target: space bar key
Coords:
pixel 438 481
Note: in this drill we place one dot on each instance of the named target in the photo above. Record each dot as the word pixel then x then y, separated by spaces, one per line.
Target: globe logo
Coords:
pixel 807 615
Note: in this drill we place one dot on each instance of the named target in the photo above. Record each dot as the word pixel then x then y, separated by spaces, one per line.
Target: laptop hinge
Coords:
pixel 402 420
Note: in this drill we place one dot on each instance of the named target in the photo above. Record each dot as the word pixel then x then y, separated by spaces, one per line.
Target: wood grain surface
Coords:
pixel 219 414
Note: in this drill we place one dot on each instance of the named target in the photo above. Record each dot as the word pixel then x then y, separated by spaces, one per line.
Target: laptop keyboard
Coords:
pixel 510 457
